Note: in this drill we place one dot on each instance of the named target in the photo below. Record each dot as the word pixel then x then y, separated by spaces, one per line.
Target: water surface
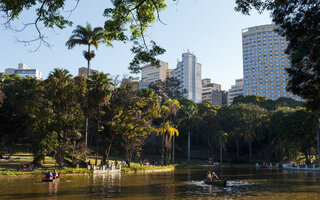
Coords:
pixel 180 184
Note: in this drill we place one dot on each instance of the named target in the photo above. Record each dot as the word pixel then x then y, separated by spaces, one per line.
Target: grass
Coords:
pixel 9 167
pixel 25 158
pixel 135 167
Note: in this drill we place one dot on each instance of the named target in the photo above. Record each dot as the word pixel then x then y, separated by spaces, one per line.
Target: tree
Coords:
pixel 171 88
pixel 222 137
pixel 66 112
pixel 298 20
pixel 91 37
pixel 129 111
pixel 136 14
pixel 87 36
pixel 2 97
pixel 99 91
pixel 174 107
pixel 168 130
pixel 188 118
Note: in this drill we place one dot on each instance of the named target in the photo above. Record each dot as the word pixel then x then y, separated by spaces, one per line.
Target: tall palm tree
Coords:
pixel 222 137
pixel 164 114
pixel 91 37
pixel 169 130
pixel 87 36
pixel 173 106
pixel 188 118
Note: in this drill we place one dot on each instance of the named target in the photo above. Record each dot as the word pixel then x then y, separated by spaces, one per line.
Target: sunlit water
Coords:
pixel 180 184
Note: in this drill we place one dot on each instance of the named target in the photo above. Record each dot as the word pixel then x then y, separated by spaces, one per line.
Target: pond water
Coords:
pixel 179 184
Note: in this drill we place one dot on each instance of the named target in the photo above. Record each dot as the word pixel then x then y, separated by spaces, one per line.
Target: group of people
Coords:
pixel 212 176
pixel 144 162
pixel 52 175
pixel 29 167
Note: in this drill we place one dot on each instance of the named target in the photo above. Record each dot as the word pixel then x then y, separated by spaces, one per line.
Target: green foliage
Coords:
pixel 47 12
pixel 171 88
pixel 145 56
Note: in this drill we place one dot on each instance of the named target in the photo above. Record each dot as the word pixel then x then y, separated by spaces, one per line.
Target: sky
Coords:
pixel 210 29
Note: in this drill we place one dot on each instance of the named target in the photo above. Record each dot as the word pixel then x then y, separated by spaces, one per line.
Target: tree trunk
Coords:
pixel 163 143
pixel 307 158
pixel 317 123
pixel 189 147
pixel 109 141
pixel 86 131
pixel 88 69
pixel 173 140
pixel 250 153
pixel 220 153
pixel 238 148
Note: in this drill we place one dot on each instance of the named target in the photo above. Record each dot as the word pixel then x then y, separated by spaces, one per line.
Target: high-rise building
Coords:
pixel 236 90
pixel 188 71
pixel 23 70
pixel 207 88
pixel 150 74
pixel 82 71
pixel 264 63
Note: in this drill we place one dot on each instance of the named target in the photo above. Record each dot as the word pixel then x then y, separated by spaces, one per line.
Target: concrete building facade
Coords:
pixel 150 74
pixel 264 63
pixel 82 71
pixel 24 70
pixel 207 88
pixel 188 71
pixel 236 90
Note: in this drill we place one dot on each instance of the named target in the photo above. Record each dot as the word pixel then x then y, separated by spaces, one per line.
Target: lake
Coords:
pixel 178 184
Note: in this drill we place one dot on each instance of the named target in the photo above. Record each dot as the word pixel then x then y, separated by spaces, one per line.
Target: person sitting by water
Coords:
pixel 214 177
pixel 209 176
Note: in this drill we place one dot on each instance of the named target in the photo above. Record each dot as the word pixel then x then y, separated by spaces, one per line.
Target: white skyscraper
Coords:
pixel 188 71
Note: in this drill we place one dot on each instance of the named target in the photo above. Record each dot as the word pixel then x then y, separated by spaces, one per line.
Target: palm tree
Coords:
pixel 87 36
pixel 173 106
pixel 189 117
pixel 170 130
pixel 91 37
pixel 222 138
pixel 164 114
pixel 99 91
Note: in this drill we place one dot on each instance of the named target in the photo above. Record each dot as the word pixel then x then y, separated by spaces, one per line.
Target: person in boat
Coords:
pixel 49 175
pixel 55 174
pixel 214 176
pixel 209 177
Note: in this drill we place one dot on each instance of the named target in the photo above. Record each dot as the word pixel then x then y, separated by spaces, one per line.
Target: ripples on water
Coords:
pixel 181 184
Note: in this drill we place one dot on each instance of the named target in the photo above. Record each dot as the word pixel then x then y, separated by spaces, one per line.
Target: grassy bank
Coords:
pixel 135 167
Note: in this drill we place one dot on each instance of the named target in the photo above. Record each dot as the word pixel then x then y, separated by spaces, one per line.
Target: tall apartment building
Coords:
pixel 150 74
pixel 23 71
pixel 82 71
pixel 188 71
pixel 235 90
pixel 207 88
pixel 264 63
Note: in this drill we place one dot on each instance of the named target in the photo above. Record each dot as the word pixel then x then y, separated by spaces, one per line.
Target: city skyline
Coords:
pixel 212 39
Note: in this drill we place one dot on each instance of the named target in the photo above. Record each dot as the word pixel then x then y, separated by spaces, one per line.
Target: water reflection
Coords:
pixel 180 184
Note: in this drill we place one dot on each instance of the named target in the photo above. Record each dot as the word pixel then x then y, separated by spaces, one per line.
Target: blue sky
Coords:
pixel 211 29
